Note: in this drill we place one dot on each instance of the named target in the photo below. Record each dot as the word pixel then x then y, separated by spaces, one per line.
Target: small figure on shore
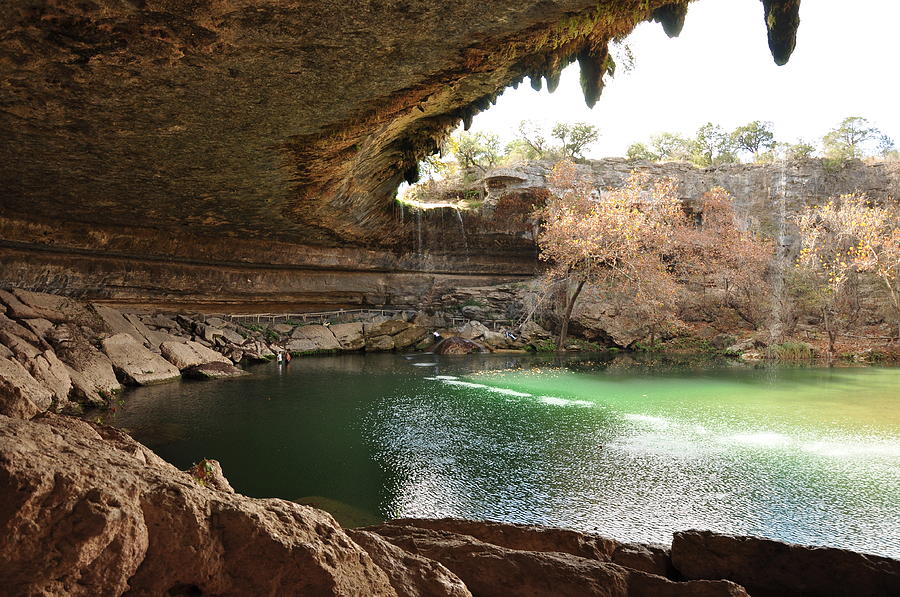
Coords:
pixel 278 357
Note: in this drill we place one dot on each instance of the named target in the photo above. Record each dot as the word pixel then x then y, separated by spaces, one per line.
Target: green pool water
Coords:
pixel 633 450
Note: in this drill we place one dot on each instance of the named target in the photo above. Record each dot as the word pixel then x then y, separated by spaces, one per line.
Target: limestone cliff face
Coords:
pixel 436 250
pixel 760 191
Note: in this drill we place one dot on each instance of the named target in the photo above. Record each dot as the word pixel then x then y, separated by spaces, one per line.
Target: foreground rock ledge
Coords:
pixel 86 510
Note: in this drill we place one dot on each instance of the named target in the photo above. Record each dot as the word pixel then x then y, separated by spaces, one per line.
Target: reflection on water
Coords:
pixel 802 454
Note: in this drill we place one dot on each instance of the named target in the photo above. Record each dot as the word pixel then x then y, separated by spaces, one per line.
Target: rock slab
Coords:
pixel 136 364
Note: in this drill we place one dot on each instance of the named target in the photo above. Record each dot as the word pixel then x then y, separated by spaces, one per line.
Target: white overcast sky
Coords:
pixel 719 69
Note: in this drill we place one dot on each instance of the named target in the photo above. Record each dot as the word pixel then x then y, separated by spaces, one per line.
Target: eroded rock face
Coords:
pixel 189 354
pixel 111 516
pixel 410 575
pixel 637 556
pixel 772 568
pixel 494 571
pixel 136 364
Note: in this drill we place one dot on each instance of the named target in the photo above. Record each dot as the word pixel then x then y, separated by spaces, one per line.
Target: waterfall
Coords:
pixel 462 229
pixel 776 331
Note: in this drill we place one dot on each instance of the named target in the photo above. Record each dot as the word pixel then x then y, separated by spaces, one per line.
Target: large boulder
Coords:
pixel 638 556
pixel 24 351
pixel 409 336
pixel 135 363
pixel 189 354
pixel 771 568
pixel 410 575
pixel 318 337
pixel 111 517
pixel 385 328
pixel 214 370
pixel 493 571
pixel 349 335
pixel 379 343
pixel 114 322
pixel 11 327
pixel 456 345
pixel 473 330
pixel 93 377
pixel 21 395
pixel 53 375
pixel 57 309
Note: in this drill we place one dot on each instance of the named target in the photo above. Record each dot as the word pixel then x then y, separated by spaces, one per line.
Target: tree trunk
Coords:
pixel 830 332
pixel 565 322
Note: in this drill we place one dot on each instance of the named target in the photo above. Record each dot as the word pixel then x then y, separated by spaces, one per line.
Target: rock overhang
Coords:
pixel 274 119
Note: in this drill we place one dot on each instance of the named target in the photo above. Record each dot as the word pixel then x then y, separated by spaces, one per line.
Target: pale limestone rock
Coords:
pixel 93 376
pixel 17 308
pixel 349 335
pixel 214 370
pixel 188 354
pixel 24 351
pixel 21 395
pixel 114 322
pixel 385 328
pixel 12 327
pixel 379 343
pixel 137 364
pixel 319 335
pixel 409 336
pixel 52 374
pixel 473 330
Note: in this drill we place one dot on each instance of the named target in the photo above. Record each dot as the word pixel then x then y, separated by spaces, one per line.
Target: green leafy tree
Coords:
pixel 801 150
pixel 671 146
pixel 640 151
pixel 574 138
pixel 532 140
pixel 848 139
pixel 754 138
pixel 476 150
pixel 886 147
pixel 712 146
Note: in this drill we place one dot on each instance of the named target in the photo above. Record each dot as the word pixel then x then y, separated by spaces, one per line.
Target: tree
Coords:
pixel 532 143
pixel 754 137
pixel 847 140
pixel 671 146
pixel 618 237
pixel 575 137
pixel 886 148
pixel 639 151
pixel 729 264
pixel 840 241
pixel 801 150
pixel 712 145
pixel 476 150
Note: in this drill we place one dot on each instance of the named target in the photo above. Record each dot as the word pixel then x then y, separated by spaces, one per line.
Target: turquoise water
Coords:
pixel 632 450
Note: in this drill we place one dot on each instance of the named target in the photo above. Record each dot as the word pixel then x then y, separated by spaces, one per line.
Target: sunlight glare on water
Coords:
pixel 810 455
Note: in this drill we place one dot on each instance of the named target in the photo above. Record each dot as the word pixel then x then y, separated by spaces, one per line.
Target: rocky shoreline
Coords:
pixel 87 510
pixel 62 355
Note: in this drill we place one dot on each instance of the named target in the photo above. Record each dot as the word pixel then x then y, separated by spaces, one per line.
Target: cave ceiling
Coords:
pixel 290 120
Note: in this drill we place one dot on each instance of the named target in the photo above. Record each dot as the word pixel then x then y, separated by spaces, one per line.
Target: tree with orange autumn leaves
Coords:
pixel 840 242
pixel 618 237
pixel 638 240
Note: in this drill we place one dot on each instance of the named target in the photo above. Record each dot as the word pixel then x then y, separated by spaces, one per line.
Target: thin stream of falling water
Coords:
pixel 776 331
pixel 462 229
